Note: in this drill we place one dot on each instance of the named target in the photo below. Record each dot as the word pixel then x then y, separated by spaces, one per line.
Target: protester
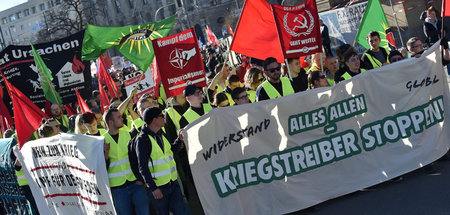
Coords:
pixel 352 63
pixel 298 74
pixel 325 38
pixel 275 86
pixel 316 62
pixel 395 56
pixel 376 56
pixel 127 192
pixel 89 122
pixel 432 26
pixel 60 117
pixel 317 79
pixel 233 82
pixel 415 47
pixel 194 96
pixel 331 67
pixel 98 117
pixel 221 100
pixel 144 102
pixel 240 96
pixel 219 82
pixel 157 166
pixel 79 128
pixel 253 78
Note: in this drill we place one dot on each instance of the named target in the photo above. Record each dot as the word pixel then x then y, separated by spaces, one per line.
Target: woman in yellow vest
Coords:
pixel 157 166
pixel 316 79
pixel 253 78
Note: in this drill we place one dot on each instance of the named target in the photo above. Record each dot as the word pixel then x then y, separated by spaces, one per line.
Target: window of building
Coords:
pixel 50 4
pixel 21 27
pixel 4 20
pixel 145 1
pixel 13 28
pixel 33 10
pixel 42 7
pixel 19 15
pixel 26 12
pixel 117 3
pixel 58 2
pixel 12 18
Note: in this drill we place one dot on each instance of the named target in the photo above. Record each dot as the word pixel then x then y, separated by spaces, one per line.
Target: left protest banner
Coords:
pixel 63 59
pixel 67 174
pixel 179 62
pixel 12 200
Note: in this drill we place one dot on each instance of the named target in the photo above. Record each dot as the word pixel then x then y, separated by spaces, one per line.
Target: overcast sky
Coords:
pixel 5 4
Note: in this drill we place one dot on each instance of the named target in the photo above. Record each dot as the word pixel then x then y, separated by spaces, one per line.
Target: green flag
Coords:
pixel 133 42
pixel 46 79
pixel 373 20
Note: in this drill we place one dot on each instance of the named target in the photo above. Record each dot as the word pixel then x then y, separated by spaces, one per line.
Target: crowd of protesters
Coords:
pixel 145 156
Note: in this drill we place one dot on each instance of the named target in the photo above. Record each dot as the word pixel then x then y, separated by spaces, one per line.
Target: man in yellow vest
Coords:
pixel 127 191
pixel 144 102
pixel 240 96
pixel 157 165
pixel 194 96
pixel 60 117
pixel 275 86
pixel 376 56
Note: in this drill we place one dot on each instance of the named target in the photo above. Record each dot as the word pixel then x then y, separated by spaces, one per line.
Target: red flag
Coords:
pixel 179 62
pixel 390 39
pixel 445 8
pixel 84 107
pixel 212 39
pixel 107 60
pixel 69 110
pixel 104 100
pixel 298 28
pixel 105 78
pixel 48 108
pixel 256 33
pixel 230 30
pixel 27 115
pixel 156 76
pixel 5 118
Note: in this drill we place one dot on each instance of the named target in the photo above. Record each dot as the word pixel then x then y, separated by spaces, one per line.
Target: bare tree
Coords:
pixel 67 18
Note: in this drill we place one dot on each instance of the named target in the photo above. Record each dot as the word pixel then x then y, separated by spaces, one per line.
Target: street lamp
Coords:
pixel 156 13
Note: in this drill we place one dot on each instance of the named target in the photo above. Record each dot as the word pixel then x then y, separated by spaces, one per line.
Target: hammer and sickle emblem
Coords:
pixel 302 24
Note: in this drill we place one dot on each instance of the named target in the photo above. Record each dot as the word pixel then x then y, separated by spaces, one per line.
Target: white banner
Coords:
pixel 283 155
pixel 68 173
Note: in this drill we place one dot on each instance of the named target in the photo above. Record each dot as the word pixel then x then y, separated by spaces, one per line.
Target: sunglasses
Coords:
pixel 395 59
pixel 322 77
pixel 274 69
pixel 243 97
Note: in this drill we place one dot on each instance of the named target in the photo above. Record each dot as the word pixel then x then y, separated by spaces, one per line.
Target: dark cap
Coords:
pixel 151 113
pixel 190 90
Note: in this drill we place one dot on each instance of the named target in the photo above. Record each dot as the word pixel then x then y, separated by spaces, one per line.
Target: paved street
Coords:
pixel 418 193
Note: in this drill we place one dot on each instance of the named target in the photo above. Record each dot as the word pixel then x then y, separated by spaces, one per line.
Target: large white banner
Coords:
pixel 68 174
pixel 286 154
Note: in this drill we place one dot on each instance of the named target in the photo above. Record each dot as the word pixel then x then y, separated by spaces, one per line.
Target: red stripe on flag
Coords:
pixel 43 167
pixel 83 170
pixel 75 194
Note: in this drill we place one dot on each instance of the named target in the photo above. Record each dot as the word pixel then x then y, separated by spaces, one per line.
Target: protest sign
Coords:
pixel 282 155
pixel 234 59
pixel 179 62
pixel 12 200
pixel 67 174
pixel 298 29
pixel 62 57
pixel 147 85
pixel 343 24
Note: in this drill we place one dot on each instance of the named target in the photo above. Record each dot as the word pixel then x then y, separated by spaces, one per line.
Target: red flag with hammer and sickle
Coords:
pixel 298 29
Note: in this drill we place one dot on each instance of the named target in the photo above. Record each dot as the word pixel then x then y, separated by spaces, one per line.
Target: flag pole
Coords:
pixel 289 70
pixel 229 52
pixel 176 123
pixel 396 22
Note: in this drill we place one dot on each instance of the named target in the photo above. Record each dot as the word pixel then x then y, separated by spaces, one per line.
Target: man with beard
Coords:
pixel 275 86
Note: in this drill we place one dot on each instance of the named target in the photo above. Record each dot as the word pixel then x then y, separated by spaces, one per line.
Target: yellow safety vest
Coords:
pixel 273 93
pixel 137 123
pixel 374 61
pixel 251 95
pixel 119 170
pixel 348 76
pixel 190 115
pixel 21 180
pixel 330 81
pixel 174 116
pixel 162 96
pixel 161 164
pixel 230 99
pixel 65 121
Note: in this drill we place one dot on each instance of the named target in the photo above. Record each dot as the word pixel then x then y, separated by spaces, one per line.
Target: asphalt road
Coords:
pixel 420 192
